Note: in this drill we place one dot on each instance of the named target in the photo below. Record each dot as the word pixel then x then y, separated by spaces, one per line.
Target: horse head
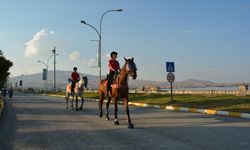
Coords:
pixel 131 67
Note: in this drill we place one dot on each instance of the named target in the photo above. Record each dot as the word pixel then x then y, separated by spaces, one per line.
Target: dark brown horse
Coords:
pixel 119 90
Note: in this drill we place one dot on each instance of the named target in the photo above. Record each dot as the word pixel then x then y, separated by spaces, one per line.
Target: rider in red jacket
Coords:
pixel 75 77
pixel 114 67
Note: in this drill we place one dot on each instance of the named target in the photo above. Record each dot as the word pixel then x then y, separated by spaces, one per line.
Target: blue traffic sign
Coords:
pixel 170 67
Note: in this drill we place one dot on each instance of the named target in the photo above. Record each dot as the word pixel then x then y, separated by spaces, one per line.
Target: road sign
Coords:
pixel 44 74
pixel 170 77
pixel 170 67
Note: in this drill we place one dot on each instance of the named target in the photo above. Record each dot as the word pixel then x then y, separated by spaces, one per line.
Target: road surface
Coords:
pixel 32 122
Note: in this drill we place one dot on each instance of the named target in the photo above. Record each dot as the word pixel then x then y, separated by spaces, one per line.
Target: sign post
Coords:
pixel 170 76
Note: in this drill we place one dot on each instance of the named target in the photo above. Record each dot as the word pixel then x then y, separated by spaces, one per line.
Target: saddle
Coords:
pixel 75 89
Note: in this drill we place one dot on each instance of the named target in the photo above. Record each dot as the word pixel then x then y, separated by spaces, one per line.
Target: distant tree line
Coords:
pixel 4 68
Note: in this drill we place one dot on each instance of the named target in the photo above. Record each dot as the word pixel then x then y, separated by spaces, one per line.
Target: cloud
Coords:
pixel 91 62
pixel 38 43
pixel 74 55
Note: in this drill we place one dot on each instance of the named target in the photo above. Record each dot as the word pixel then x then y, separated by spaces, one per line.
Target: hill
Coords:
pixel 35 81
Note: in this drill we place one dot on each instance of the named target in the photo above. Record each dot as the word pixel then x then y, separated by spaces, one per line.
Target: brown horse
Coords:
pixel 119 90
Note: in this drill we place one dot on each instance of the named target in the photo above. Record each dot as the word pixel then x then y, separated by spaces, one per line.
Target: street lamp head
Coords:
pixel 82 21
pixel 119 10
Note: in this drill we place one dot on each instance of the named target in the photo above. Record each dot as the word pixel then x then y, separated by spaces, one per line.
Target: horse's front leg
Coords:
pixel 77 103
pixel 116 110
pixel 130 125
pixel 107 108
pixel 67 100
pixel 82 103
pixel 101 98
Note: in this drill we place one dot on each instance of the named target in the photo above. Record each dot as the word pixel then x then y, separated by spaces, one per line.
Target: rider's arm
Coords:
pixel 110 67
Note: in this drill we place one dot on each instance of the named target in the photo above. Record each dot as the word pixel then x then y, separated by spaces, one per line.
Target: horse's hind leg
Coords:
pixel 101 98
pixel 107 108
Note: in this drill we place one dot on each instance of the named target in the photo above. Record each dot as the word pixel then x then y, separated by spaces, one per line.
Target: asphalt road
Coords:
pixel 41 122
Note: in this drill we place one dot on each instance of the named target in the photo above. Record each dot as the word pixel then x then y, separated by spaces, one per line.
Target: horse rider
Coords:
pixel 75 77
pixel 114 67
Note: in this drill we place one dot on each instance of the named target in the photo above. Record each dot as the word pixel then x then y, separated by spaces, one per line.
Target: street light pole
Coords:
pixel 54 53
pixel 45 74
pixel 47 71
pixel 100 38
pixel 47 68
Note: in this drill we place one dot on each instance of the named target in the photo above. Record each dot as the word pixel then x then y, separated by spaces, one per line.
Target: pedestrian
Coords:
pixel 4 92
pixel 10 92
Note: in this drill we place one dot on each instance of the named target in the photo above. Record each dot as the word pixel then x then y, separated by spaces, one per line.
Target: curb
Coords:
pixel 195 110
pixel 184 109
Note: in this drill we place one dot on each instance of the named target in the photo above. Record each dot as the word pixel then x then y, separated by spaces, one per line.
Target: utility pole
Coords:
pixel 54 52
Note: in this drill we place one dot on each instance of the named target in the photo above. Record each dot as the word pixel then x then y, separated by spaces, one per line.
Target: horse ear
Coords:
pixel 125 59
pixel 132 58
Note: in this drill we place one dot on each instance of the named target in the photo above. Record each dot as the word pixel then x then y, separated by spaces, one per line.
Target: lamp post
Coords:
pixel 54 54
pixel 47 68
pixel 46 75
pixel 100 37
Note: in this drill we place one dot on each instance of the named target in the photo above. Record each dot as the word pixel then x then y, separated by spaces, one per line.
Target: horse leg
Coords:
pixel 77 103
pixel 101 98
pixel 107 108
pixel 67 99
pixel 116 109
pixel 130 125
pixel 82 102
pixel 72 106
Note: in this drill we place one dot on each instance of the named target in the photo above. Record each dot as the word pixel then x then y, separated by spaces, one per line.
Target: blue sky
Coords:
pixel 207 39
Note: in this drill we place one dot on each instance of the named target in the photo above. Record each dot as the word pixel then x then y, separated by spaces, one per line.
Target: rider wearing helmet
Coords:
pixel 114 67
pixel 75 77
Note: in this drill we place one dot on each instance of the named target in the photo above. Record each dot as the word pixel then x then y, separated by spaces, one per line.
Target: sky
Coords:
pixel 207 40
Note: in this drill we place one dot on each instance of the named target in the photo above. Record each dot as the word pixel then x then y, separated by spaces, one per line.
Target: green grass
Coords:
pixel 216 102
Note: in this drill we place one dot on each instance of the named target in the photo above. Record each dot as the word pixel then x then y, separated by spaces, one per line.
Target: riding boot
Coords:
pixel 72 88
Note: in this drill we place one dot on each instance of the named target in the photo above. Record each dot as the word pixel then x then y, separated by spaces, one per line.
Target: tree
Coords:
pixel 4 68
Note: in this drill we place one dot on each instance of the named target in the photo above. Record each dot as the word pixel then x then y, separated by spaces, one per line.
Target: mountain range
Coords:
pixel 35 81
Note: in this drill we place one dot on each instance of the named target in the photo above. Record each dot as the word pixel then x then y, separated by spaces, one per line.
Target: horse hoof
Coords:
pixel 77 109
pixel 67 108
pixel 130 126
pixel 100 115
pixel 117 122
pixel 107 118
pixel 80 108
